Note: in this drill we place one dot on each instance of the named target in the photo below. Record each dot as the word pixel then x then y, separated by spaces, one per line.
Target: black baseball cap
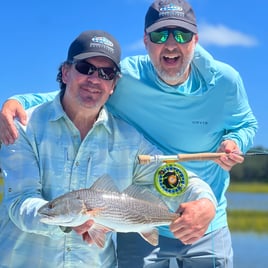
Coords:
pixel 95 43
pixel 164 13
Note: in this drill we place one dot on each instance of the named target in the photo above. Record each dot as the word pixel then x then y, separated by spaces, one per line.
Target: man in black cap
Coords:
pixel 67 144
pixel 183 100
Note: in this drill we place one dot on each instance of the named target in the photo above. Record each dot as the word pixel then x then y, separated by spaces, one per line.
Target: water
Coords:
pixel 247 201
pixel 250 249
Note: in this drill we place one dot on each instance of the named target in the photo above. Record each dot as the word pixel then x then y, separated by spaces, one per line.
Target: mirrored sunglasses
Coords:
pixel 161 36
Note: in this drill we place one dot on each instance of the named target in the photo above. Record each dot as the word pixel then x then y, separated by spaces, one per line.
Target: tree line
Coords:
pixel 253 169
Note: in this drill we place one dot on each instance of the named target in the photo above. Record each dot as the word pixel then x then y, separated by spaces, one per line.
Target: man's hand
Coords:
pixel 194 220
pixel 11 109
pixel 234 155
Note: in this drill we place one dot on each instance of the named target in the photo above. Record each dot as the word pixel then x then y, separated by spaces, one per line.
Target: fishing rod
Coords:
pixel 171 178
pixel 147 159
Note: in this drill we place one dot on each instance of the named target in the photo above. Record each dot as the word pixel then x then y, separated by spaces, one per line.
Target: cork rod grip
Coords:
pixel 146 159
pixel 199 156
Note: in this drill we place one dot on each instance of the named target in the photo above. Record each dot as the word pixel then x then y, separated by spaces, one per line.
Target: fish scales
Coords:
pixel 123 208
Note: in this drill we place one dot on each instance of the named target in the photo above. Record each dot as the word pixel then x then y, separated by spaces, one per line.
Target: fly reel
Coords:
pixel 171 179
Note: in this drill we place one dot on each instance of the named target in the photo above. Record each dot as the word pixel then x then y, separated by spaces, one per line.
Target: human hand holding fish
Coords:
pixel 194 221
pixel 135 209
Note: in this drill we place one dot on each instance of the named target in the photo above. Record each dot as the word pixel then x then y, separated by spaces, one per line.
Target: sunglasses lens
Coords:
pixel 105 73
pixel 182 37
pixel 159 37
pixel 85 68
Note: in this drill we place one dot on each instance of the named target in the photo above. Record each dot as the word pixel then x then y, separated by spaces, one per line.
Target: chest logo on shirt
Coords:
pixel 199 122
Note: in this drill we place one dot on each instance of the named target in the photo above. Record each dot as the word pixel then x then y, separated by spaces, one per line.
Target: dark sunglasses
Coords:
pixel 161 36
pixel 105 73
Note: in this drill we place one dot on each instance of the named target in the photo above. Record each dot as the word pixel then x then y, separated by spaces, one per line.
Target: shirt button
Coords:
pixel 68 249
pixel 77 163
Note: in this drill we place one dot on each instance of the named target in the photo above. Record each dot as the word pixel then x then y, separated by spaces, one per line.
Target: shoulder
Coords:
pixel 41 115
pixel 41 110
pixel 134 64
pixel 211 68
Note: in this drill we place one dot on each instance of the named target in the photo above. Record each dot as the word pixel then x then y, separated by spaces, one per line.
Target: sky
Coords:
pixel 35 36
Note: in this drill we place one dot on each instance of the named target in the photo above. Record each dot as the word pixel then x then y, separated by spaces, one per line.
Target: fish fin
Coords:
pixel 98 234
pixel 151 237
pixel 104 183
pixel 145 194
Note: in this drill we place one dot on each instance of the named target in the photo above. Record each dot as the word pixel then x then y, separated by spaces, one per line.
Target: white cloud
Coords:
pixel 222 36
pixel 209 34
pixel 138 45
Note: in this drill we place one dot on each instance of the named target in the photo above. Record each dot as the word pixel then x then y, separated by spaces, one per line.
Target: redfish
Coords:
pixel 135 209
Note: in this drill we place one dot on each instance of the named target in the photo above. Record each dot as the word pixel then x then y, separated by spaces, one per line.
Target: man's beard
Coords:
pixel 170 79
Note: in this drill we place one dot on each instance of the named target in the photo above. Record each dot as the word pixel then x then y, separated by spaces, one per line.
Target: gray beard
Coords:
pixel 170 79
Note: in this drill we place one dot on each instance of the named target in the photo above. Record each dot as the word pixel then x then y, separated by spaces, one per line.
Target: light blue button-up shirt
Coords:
pixel 49 159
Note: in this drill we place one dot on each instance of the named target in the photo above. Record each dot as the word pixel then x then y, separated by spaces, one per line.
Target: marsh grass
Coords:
pixel 248 221
pixel 253 187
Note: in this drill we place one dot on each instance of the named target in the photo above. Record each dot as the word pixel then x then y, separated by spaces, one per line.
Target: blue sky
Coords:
pixel 35 36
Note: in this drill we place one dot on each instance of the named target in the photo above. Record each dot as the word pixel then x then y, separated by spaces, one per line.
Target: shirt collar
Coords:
pixel 57 112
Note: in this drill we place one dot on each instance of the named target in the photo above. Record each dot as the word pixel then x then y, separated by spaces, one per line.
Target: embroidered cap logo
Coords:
pixel 171 10
pixel 102 42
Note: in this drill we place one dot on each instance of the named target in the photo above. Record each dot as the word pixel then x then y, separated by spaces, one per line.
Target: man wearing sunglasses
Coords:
pixel 184 101
pixel 67 145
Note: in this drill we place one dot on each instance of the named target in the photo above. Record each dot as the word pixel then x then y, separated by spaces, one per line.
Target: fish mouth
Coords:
pixel 45 218
pixel 53 221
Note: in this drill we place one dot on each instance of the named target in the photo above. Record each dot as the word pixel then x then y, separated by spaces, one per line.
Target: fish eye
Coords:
pixel 50 206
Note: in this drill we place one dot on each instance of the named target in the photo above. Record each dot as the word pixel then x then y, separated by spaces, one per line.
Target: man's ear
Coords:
pixel 65 68
pixel 196 37
pixel 145 39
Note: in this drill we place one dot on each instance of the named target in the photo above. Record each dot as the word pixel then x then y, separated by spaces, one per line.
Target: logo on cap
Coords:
pixel 103 42
pixel 171 10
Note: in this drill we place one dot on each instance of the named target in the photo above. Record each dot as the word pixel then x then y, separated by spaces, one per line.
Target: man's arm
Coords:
pixel 14 108
pixel 22 187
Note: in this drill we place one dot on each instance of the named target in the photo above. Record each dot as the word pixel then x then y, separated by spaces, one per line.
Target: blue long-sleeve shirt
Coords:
pixel 211 106
pixel 48 160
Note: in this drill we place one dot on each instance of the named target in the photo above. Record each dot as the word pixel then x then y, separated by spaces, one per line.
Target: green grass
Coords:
pixel 244 220
pixel 248 221
pixel 254 187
